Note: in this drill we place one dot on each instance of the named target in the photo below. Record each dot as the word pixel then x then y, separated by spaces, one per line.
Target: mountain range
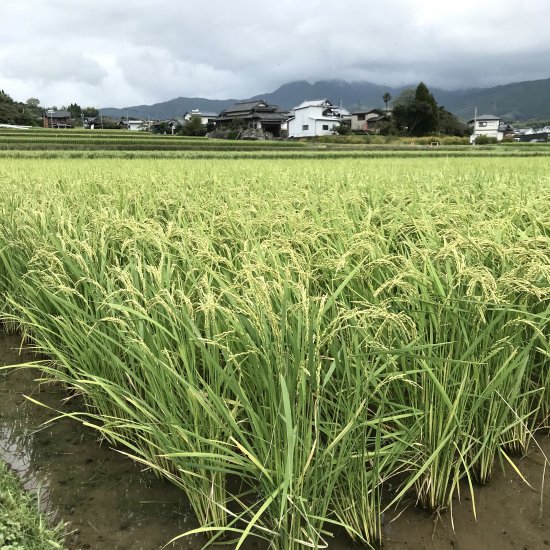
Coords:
pixel 516 101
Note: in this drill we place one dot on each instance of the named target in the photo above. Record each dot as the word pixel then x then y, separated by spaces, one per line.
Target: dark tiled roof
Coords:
pixel 246 105
pixel 363 111
pixel 58 114
pixel 262 116
pixel 243 107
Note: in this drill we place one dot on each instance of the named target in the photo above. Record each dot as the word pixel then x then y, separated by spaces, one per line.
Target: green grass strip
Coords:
pixel 22 527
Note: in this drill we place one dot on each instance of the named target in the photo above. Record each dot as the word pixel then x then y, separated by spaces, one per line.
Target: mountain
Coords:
pixel 516 101
pixel 349 94
pixel 169 109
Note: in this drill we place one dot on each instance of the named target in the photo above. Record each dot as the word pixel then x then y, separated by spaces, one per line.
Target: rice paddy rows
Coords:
pixel 283 340
pixel 79 143
pixel 274 154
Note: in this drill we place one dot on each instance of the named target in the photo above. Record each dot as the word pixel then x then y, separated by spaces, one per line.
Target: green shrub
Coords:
pixel 485 140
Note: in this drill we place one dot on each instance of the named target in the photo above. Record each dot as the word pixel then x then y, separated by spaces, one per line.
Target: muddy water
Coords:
pixel 111 503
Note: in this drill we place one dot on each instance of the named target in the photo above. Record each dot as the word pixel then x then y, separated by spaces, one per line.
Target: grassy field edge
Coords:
pixel 22 526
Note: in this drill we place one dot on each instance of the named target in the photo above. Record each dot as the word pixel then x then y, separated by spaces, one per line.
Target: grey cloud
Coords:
pixel 52 66
pixel 145 51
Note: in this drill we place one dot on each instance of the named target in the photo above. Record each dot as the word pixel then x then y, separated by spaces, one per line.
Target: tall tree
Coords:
pixel 415 112
pixel 386 98
pixel 426 103
pixel 75 110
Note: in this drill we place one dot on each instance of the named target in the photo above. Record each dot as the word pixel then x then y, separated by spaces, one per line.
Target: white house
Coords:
pixel 316 118
pixel 205 117
pixel 132 124
pixel 487 125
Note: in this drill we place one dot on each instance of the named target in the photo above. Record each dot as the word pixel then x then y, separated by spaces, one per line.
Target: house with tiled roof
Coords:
pixel 253 115
pixel 487 125
pixel 366 120
pixel 56 119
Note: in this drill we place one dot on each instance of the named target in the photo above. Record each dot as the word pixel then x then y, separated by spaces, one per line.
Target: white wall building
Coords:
pixel 132 124
pixel 487 125
pixel 205 117
pixel 316 118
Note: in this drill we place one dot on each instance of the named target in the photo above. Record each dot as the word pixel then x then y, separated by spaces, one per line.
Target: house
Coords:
pixel 206 118
pixel 90 122
pixel 318 117
pixel 487 125
pixel 253 115
pixel 533 137
pixel 56 119
pixel 366 121
pixel 134 125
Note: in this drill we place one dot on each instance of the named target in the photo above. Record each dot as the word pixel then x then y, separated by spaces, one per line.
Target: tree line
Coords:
pixel 30 112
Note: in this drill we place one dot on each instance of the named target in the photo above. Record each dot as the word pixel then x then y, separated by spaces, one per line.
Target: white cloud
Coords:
pixel 143 51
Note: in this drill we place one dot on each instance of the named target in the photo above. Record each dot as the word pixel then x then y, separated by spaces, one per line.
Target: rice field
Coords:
pixel 297 344
pixel 80 143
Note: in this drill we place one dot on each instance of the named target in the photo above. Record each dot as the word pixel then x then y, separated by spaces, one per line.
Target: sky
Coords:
pixel 115 53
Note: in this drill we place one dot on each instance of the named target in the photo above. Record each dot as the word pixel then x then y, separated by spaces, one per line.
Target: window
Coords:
pixel 482 124
pixel 305 127
pixel 325 127
pixel 360 117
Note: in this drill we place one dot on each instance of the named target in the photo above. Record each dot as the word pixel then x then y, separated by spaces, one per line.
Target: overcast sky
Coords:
pixel 128 52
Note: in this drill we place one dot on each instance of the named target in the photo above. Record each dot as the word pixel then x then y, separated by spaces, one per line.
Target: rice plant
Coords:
pixel 282 340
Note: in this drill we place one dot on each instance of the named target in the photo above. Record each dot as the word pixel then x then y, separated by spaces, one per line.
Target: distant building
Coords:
pixel 206 117
pixel 133 125
pixel 253 115
pixel 57 119
pixel 532 137
pixel 366 121
pixel 487 125
pixel 318 117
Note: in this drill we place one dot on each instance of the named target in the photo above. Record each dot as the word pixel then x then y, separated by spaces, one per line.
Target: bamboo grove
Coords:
pixel 299 345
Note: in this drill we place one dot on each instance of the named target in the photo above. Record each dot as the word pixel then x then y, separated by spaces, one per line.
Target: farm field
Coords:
pixel 299 344
pixel 79 143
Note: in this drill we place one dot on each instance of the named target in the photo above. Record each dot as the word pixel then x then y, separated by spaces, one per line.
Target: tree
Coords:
pixel 415 112
pixel 8 109
pixel 427 105
pixel 450 125
pixel 90 112
pixel 14 112
pixel 386 98
pixel 193 127
pixel 342 129
pixel 75 110
pixel 33 102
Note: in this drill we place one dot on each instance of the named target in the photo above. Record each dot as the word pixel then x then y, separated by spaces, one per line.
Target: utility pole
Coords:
pixel 475 124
